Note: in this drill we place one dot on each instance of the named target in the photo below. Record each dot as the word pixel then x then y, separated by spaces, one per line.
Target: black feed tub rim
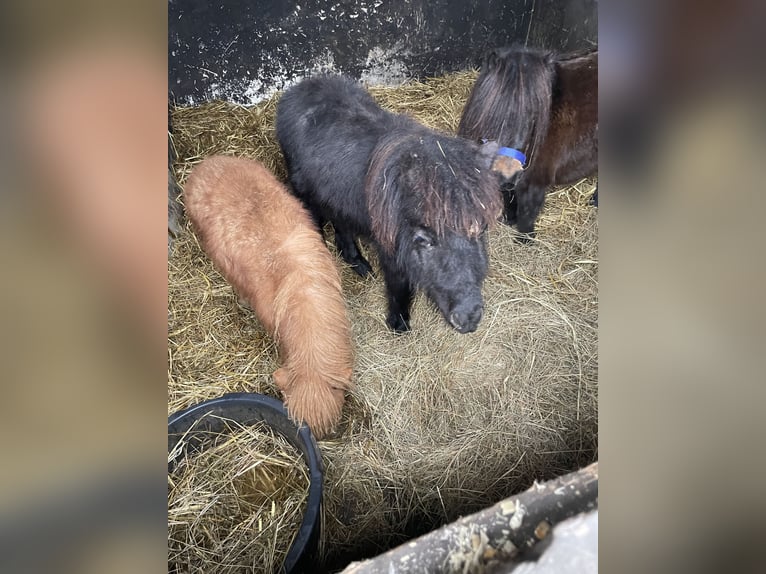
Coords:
pixel 247 409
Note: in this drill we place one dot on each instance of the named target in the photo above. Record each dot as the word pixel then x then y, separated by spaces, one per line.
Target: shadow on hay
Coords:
pixel 422 509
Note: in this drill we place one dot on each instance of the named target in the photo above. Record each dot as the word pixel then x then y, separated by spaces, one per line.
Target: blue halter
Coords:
pixel 514 153
pixel 510 152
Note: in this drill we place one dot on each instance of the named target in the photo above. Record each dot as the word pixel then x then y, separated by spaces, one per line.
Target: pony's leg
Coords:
pixel 304 194
pixel 399 293
pixel 594 198
pixel 509 204
pixel 318 218
pixel 348 249
pixel 530 203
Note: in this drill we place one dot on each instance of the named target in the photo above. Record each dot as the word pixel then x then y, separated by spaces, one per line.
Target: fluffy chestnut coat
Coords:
pixel 266 245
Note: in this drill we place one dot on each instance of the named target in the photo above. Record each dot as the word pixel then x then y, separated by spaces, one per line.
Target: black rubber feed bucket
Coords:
pixel 247 409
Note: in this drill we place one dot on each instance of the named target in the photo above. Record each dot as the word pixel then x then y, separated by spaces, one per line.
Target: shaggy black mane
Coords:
pixel 430 174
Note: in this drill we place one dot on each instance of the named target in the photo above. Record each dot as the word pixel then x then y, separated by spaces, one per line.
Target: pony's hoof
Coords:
pixel 362 268
pixel 525 238
pixel 398 324
pixel 506 220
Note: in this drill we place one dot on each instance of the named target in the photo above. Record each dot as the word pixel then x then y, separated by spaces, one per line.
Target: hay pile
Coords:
pixel 237 505
pixel 441 424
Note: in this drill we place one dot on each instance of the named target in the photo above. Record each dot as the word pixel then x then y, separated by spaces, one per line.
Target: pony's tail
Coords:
pixel 316 403
pixel 511 99
pixel 313 399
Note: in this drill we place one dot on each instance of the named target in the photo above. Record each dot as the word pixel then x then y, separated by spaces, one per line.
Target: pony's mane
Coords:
pixel 440 181
pixel 511 99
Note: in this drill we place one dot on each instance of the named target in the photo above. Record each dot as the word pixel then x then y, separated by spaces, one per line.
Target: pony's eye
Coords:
pixel 423 240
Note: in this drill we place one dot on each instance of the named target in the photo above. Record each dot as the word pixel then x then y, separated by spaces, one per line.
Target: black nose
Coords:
pixel 466 321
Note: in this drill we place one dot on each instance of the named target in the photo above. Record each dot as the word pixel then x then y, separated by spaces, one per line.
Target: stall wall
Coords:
pixel 245 50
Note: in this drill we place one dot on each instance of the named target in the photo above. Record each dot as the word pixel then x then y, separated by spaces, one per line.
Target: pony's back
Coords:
pixel 266 245
pixel 327 127
pixel 572 143
pixel 243 217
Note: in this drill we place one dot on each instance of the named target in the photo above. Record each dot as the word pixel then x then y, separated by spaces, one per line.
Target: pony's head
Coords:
pixel 431 198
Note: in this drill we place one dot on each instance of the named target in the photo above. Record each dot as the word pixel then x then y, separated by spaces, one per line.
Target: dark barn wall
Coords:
pixel 244 50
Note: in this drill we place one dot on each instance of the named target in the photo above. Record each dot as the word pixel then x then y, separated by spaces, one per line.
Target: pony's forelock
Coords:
pixel 441 181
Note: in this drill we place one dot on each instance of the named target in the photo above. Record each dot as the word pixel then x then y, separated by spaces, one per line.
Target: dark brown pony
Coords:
pixel 545 105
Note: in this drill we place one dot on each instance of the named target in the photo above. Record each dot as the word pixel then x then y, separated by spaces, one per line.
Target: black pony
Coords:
pixel 545 105
pixel 423 198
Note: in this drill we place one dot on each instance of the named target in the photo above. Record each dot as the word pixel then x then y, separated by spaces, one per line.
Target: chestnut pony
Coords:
pixel 266 245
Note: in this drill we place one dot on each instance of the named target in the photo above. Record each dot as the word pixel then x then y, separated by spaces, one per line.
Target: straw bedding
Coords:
pixel 441 424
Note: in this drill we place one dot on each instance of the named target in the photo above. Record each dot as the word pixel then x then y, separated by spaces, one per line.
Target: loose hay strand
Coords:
pixel 441 424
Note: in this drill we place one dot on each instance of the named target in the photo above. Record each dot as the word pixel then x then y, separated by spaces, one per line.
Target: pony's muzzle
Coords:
pixel 466 321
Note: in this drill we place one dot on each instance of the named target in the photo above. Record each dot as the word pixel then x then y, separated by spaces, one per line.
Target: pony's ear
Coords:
pixel 487 153
pixel 506 166
pixel 490 60
pixel 503 165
